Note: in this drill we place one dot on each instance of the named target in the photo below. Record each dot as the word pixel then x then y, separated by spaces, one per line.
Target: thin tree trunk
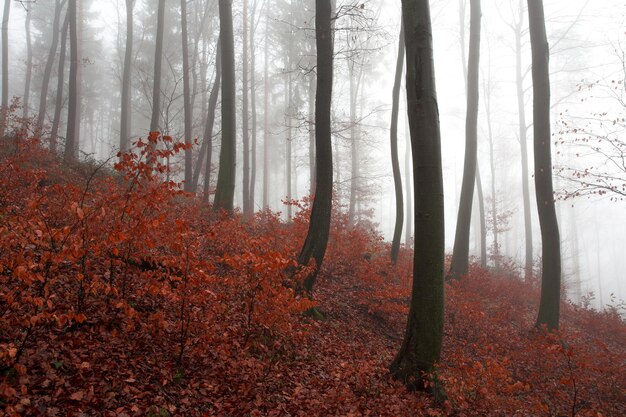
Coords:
pixel 266 107
pixel 319 226
pixel 54 133
pixel 288 152
pixel 421 347
pixel 253 107
pixel 73 111
pixel 29 65
pixel 483 226
pixel 188 109
pixel 158 61
pixel 521 108
pixel 407 178
pixel 125 116
pixel 395 163
pixel 460 254
pixel 5 66
pixel 43 98
pixel 207 142
pixel 492 167
pixel 550 303
pixel 312 136
pixel 245 189
pixel 225 190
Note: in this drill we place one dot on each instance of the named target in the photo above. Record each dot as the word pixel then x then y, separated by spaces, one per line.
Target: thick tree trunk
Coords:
pixel 245 189
pixel 158 62
pixel 188 109
pixel 73 110
pixel 206 149
pixel 319 226
pixel 460 254
pixel 225 190
pixel 54 133
pixel 521 108
pixel 549 306
pixel 421 347
pixel 395 163
pixel 29 66
pixel 125 116
pixel 43 97
pixel 5 66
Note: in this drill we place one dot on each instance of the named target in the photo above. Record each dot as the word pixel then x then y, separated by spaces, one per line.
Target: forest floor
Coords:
pixel 122 296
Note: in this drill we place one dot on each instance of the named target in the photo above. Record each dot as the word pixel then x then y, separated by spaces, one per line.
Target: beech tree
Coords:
pixel 58 106
pixel 549 306
pixel 125 114
pixel 73 111
pixel 188 109
pixel 225 190
pixel 421 346
pixel 460 254
pixel 29 64
pixel 395 163
pixel 5 65
pixel 317 236
pixel 158 61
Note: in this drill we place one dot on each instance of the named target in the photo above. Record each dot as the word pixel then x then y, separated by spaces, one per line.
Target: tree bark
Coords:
pixel 158 61
pixel 247 207
pixel 319 226
pixel 43 98
pixel 73 110
pixel 421 347
pixel 188 109
pixel 125 116
pixel 5 66
pixel 225 190
pixel 460 254
pixel 549 306
pixel 253 161
pixel 54 133
pixel 266 109
pixel 395 163
pixel 29 66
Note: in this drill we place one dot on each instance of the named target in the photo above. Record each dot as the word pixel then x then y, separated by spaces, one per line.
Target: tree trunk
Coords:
pixel 158 61
pixel 73 110
pixel 483 226
pixel 247 207
pixel 54 133
pixel 492 167
pixel 207 141
pixel 188 109
pixel 319 226
pixel 311 123
pixel 395 163
pixel 407 179
pixel 460 254
pixel 421 347
pixel 225 190
pixel 43 98
pixel 549 306
pixel 29 65
pixel 521 108
pixel 266 109
pixel 125 116
pixel 5 66
pixel 253 107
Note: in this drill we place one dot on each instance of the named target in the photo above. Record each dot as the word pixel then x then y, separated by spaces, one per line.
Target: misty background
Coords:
pixel 588 43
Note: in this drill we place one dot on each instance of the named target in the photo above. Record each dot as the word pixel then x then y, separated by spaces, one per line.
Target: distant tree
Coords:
pixel 253 109
pixel 245 117
pixel 421 347
pixel 72 137
pixel 29 63
pixel 158 61
pixel 58 106
pixel 5 65
pixel 43 97
pixel 395 163
pixel 549 306
pixel 125 116
pixel 225 190
pixel 460 255
pixel 319 225
pixel 188 109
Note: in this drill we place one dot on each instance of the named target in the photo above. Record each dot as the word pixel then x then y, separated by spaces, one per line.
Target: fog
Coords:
pixel 587 42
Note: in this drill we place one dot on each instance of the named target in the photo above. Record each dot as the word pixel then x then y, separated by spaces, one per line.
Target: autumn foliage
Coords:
pixel 122 295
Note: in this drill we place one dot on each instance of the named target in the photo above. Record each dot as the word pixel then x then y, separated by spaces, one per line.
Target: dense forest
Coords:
pixel 312 208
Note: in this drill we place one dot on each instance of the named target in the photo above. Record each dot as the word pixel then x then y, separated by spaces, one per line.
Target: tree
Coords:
pixel 550 243
pixel 48 68
pixel 188 109
pixel 421 347
pixel 125 115
pixel 58 107
pixel 460 255
pixel 5 65
pixel 158 60
pixel 29 64
pixel 395 163
pixel 225 190
pixel 253 163
pixel 248 206
pixel 319 225
pixel 73 110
